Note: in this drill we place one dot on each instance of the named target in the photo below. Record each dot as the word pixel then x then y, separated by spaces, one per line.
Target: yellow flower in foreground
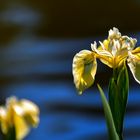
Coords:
pixel 20 114
pixel 113 52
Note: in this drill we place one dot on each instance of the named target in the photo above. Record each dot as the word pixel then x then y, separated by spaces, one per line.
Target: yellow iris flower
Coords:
pixel 18 114
pixel 113 51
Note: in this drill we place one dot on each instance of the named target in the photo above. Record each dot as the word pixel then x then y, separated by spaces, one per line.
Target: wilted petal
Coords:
pixel 84 69
pixel 134 64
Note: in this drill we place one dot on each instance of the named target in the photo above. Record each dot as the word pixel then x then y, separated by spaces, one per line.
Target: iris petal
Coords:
pixel 31 112
pixel 21 127
pixel 3 120
pixel 20 115
pixel 134 64
pixel 84 69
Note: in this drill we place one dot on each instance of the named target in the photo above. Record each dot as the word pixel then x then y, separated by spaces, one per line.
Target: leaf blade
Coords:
pixel 108 115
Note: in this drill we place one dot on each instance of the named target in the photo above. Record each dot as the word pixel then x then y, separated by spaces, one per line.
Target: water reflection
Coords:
pixel 20 15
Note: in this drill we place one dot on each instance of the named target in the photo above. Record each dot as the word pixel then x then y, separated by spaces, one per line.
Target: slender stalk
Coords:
pixel 120 137
pixel 11 134
pixel 118 94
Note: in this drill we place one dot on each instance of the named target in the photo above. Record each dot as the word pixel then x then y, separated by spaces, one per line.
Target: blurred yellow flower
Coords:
pixel 113 52
pixel 20 114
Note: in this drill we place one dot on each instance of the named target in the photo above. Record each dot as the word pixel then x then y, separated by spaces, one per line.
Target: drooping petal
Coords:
pixel 107 60
pixel 84 69
pixel 102 53
pixel 134 64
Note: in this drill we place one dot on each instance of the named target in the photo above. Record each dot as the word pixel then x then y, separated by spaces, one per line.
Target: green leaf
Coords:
pixel 118 94
pixel 123 84
pixel 108 115
pixel 115 105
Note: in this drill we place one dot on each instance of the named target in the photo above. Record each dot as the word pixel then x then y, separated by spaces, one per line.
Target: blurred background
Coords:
pixel 38 40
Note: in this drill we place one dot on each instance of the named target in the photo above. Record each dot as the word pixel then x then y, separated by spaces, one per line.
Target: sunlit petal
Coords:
pixel 136 51
pixel 114 33
pixel 18 114
pixel 102 45
pixel 84 69
pixel 101 50
pixel 107 60
pixel 21 127
pixel 134 64
pixel 31 112
pixel 3 120
pixel 106 44
pixel 128 42
pixel 94 46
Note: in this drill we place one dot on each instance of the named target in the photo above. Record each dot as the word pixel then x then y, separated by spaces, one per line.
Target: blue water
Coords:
pixel 29 69
pixel 69 123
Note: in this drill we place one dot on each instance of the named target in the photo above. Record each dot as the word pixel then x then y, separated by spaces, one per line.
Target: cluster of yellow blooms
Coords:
pixel 20 114
pixel 113 52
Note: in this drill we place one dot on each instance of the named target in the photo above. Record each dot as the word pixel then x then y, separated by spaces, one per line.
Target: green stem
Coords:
pixel 118 94
pixel 120 137
pixel 11 134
